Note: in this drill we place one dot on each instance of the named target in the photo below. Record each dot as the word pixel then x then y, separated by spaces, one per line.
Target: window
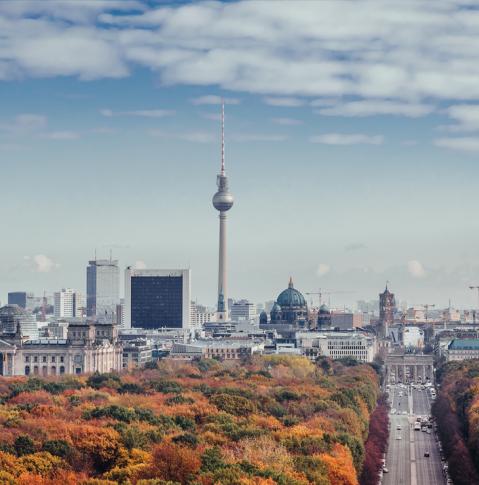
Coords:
pixel 53 370
pixel 35 369
pixel 27 370
pixel 53 358
pixel 62 359
pixel 35 359
pixel 62 369
pixel 27 358
pixel 45 370
pixel 44 358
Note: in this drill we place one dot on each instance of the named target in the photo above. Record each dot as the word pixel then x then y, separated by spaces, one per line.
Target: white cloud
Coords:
pixel 193 136
pixel 61 135
pixel 347 139
pixel 139 265
pixel 213 99
pixel 323 269
pixel 405 52
pixel 416 269
pixel 287 121
pixel 284 102
pixel 466 117
pixel 245 137
pixel 146 113
pixel 376 107
pixel 467 144
pixel 42 263
pixel 24 124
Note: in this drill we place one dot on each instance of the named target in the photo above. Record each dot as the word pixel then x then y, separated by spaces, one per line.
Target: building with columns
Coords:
pixel 87 348
pixel 409 368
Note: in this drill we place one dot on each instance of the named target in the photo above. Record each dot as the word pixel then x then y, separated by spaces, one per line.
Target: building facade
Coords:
pixel 102 289
pixel 462 349
pixel 243 310
pixel 338 345
pixel 68 303
pixel 157 298
pixel 14 319
pixel 87 348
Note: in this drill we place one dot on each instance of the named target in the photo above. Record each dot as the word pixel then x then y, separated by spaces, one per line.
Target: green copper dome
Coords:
pixel 291 297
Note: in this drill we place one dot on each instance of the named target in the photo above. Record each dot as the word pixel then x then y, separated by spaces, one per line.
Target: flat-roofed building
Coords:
pixel 462 349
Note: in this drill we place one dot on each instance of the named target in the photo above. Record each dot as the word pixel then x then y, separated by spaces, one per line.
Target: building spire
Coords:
pixel 222 137
pixel 290 284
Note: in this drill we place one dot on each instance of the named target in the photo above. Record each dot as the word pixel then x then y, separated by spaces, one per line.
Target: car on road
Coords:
pixel 398 427
pixel 393 411
pixel 404 412
pixel 417 426
pixel 426 454
pixel 385 470
pixel 399 437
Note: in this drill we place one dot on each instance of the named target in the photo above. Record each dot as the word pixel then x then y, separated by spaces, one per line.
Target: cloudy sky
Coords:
pixel 352 144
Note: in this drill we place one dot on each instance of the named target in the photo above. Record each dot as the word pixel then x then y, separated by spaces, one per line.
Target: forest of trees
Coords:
pixel 457 414
pixel 273 420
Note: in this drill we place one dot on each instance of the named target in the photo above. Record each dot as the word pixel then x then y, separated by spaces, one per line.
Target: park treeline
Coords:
pixel 456 411
pixel 270 420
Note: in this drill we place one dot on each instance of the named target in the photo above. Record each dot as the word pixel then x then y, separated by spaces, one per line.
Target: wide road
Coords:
pixel 405 458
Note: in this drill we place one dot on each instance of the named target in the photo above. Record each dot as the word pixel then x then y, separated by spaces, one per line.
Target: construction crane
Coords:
pixel 426 307
pixel 321 292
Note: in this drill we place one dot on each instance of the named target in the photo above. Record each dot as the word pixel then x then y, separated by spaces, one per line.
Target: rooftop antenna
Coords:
pixel 222 136
pixel 95 254
pixel 110 255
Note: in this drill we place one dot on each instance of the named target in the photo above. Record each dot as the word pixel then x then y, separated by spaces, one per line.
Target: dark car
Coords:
pixel 426 454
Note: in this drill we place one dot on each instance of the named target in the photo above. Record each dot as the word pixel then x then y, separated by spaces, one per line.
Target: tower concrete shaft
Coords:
pixel 222 278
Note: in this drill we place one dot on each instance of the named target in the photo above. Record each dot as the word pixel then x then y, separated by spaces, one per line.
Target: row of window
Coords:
pixel 44 358
pixel 44 370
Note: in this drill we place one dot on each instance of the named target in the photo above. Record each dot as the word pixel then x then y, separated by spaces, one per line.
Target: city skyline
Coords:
pixel 360 172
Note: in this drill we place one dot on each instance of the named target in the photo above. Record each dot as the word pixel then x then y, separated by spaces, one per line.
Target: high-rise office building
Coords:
pixel 102 289
pixel 68 303
pixel 243 310
pixel 222 202
pixel 157 298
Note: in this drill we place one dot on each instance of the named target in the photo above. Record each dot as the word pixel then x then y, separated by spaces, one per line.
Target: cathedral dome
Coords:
pixel 291 297
pixel 323 310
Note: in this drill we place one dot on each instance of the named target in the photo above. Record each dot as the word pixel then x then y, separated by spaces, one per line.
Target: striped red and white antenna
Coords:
pixel 222 136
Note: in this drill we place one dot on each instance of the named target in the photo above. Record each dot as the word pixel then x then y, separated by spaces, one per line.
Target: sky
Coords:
pixel 352 144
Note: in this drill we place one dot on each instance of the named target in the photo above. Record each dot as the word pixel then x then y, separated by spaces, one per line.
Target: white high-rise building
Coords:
pixel 68 303
pixel 243 311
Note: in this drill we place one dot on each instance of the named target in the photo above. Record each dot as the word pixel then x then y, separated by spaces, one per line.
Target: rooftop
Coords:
pixel 464 344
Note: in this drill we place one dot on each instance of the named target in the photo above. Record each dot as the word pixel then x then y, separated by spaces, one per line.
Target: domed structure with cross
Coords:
pixel 290 309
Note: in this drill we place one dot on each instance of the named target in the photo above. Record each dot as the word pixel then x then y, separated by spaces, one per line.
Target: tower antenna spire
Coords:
pixel 222 136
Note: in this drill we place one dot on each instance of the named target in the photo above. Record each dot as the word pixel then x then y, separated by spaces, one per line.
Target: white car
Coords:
pixel 399 437
pixel 404 412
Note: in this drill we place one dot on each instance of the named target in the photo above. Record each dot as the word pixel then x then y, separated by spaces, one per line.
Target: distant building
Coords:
pixel 157 298
pixel 22 299
pixel 462 349
pixel 346 320
pixel 136 353
pixel 289 312
pixel 68 303
pixel 243 310
pixel 87 348
pixel 387 307
pixel 16 320
pixel 220 350
pixel 199 315
pixel 338 345
pixel 102 289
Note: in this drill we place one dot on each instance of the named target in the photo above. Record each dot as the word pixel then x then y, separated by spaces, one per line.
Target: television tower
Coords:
pixel 222 202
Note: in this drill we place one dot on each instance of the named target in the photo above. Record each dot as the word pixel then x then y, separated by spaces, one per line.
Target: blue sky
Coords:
pixel 352 141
